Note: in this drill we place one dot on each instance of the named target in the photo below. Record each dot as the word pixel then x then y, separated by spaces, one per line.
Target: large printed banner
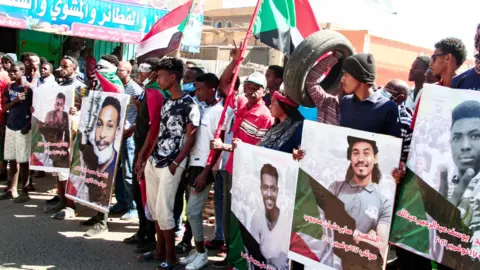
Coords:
pixel 118 21
pixel 96 149
pixel 51 127
pixel 263 191
pixel 344 198
pixel 438 208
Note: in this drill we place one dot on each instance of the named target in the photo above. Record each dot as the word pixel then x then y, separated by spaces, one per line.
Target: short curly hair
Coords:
pixel 455 47
pixel 173 66
pixel 425 60
pixel 111 58
pixel 153 62
pixel 268 169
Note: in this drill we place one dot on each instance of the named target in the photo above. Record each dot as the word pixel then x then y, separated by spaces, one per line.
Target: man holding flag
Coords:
pixel 251 121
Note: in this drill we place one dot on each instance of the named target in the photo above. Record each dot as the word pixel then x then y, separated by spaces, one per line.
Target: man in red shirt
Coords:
pixel 252 119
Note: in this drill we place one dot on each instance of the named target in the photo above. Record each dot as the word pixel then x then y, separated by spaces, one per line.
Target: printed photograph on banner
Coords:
pixel 51 128
pixel 438 208
pixel 96 149
pixel 344 198
pixel 263 191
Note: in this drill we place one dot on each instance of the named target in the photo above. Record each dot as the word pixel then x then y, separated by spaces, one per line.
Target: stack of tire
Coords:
pixel 306 55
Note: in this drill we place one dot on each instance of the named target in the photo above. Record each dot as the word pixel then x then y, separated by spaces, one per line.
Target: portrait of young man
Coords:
pixel 271 226
pixel 56 129
pixel 361 195
pixel 99 154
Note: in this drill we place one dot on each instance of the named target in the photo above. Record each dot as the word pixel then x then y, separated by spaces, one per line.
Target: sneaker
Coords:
pixel 214 244
pixel 7 195
pixel 183 247
pixel 130 215
pixel 90 222
pixel 200 261
pixel 54 208
pixel 96 230
pixel 190 258
pixel 65 213
pixel 117 209
pixel 22 198
pixel 53 200
pixel 220 264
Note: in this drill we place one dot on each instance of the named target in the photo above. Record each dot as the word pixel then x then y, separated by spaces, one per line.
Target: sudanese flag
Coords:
pixel 283 24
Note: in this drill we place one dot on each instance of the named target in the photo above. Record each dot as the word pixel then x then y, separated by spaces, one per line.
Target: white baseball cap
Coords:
pixel 257 78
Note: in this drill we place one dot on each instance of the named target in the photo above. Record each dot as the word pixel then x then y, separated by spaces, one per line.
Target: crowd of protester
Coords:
pixel 164 160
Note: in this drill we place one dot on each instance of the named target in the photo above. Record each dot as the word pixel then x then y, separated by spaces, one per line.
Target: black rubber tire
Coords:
pixel 304 58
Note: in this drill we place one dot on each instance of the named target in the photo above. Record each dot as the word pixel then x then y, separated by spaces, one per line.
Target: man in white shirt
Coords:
pixel 200 176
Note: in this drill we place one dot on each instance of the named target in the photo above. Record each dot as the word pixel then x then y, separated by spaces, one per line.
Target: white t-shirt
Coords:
pixel 273 243
pixel 205 133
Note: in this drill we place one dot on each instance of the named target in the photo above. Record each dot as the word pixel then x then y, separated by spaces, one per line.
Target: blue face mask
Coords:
pixel 385 93
pixel 188 87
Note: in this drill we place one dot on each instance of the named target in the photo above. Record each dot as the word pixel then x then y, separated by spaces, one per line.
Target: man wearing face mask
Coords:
pixel 191 74
pixel 148 106
pixel 188 86
pixel 397 91
pixel 148 77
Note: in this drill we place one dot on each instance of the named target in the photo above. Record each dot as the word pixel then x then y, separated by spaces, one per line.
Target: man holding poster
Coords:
pixel 96 150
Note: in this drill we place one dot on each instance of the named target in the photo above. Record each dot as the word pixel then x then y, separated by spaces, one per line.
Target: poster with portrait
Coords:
pixel 438 207
pixel 51 128
pixel 263 191
pixel 344 198
pixel 96 149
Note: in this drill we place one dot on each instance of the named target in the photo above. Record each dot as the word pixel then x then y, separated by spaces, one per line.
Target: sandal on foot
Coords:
pixel 167 266
pixel 149 257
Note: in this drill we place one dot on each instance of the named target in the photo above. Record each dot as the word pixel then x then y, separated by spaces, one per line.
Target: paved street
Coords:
pixel 30 239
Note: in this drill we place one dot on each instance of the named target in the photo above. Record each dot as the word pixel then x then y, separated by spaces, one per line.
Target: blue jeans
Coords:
pixel 123 182
pixel 218 206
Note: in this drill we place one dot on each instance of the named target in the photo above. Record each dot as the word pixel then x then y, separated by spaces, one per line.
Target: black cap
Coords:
pixel 362 67
pixel 352 140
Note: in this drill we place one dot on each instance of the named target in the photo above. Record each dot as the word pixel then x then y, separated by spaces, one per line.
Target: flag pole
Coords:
pixel 231 92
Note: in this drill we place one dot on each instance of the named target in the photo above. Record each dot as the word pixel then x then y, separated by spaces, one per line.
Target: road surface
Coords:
pixel 30 239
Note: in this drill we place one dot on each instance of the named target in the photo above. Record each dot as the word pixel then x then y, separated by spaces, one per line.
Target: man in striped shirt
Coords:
pixel 123 184
pixel 397 91
pixel 251 121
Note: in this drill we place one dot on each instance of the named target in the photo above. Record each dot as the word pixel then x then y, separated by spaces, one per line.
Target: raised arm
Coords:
pixel 315 91
pixel 227 74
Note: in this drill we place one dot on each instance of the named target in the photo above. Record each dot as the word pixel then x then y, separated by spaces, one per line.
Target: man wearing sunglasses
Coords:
pixel 449 55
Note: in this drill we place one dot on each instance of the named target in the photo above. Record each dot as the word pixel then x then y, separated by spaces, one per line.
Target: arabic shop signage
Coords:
pixel 123 21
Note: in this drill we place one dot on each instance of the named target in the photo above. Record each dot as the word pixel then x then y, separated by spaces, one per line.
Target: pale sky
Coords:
pixel 419 22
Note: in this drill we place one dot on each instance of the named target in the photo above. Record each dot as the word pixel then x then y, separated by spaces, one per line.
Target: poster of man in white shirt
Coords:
pixel 264 183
